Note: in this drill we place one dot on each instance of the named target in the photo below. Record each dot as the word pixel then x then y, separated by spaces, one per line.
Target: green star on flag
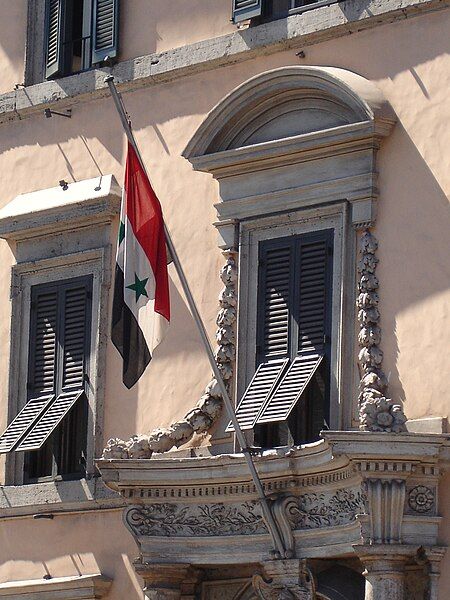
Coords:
pixel 138 286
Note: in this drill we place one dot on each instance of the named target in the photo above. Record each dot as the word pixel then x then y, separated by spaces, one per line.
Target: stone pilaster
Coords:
pixel 168 581
pixel 385 570
pixel 434 557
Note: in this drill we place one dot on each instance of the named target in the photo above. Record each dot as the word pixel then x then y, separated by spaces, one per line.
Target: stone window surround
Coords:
pixel 24 276
pixel 76 224
pixel 83 587
pixel 296 31
pixel 334 217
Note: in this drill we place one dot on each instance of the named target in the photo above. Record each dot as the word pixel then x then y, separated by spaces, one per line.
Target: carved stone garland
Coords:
pixel 376 411
pixel 208 410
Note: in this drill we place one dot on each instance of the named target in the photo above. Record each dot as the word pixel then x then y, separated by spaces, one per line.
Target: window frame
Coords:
pixel 299 222
pixel 95 263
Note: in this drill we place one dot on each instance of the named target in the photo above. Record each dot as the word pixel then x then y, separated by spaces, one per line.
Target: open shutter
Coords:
pixel 54 38
pixel 246 9
pixel 52 416
pixel 23 422
pixel 105 30
pixel 312 274
pixel 261 386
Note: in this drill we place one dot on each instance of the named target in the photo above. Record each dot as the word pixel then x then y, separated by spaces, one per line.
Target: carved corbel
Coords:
pixel 168 581
pixel 377 412
pixel 285 580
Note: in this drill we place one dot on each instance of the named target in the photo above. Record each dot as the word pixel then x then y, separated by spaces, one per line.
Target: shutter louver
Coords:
pixel 74 337
pixel 246 9
pixel 105 30
pixel 261 386
pixel 48 421
pixel 313 281
pixel 276 297
pixel 290 389
pixel 44 315
pixel 23 422
pixel 54 46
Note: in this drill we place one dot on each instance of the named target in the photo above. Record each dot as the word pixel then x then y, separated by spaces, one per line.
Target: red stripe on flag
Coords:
pixel 144 213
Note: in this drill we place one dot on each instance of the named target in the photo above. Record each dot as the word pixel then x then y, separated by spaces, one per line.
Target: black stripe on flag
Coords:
pixel 127 336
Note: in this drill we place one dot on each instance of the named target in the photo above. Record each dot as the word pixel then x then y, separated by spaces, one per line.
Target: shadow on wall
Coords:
pixel 181 340
pixel 414 263
pixel 80 553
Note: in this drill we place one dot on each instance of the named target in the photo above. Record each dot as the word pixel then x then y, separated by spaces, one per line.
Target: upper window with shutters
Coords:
pixel 51 428
pixel 261 11
pixel 79 34
pixel 65 37
pixel 288 398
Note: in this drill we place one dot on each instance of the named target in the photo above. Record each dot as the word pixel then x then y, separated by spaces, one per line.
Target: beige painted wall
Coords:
pixel 410 62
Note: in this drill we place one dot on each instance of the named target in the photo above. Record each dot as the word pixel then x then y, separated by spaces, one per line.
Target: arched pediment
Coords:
pixel 288 102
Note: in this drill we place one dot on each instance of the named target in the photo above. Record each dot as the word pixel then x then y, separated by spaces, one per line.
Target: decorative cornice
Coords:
pixel 301 30
pixel 56 210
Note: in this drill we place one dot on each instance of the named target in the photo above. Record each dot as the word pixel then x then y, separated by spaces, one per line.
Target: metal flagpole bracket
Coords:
pixel 247 451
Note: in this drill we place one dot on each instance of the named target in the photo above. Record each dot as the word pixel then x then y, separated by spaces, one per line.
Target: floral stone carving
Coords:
pixel 209 408
pixel 168 519
pixel 377 412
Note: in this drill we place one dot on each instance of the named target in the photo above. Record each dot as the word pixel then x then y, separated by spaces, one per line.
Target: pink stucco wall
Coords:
pixel 409 60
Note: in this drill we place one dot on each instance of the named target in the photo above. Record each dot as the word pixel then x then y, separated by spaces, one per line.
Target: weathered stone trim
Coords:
pixel 376 411
pixel 56 497
pixel 301 30
pixel 82 587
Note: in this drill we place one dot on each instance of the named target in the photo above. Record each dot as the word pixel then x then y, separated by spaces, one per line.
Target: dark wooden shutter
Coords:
pixel 246 9
pixel 43 342
pixel 74 336
pixel 47 422
pixel 105 29
pixel 54 38
pixel 23 422
pixel 275 296
pixel 261 386
pixel 309 325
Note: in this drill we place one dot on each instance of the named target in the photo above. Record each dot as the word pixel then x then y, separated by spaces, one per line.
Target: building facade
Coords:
pixel 299 149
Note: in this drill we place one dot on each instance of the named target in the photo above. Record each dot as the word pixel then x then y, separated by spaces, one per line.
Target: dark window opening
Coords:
pixel 58 364
pixel 294 323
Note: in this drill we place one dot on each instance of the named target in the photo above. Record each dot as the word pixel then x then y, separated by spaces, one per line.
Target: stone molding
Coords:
pixel 310 166
pixel 354 487
pixel 309 28
pixel 83 587
pixel 55 210
pixel 376 411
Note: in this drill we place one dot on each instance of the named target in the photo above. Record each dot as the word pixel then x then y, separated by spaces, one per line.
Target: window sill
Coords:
pixel 56 496
pixel 60 588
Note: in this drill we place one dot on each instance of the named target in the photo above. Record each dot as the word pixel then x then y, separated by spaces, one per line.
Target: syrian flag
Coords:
pixel 141 306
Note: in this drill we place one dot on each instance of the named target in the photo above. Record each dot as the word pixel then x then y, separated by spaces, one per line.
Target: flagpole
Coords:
pixel 268 517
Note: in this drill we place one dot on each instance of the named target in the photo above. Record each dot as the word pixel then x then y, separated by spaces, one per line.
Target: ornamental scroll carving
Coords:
pixel 200 419
pixel 195 520
pixel 376 411
pixel 308 511
pixel 285 580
